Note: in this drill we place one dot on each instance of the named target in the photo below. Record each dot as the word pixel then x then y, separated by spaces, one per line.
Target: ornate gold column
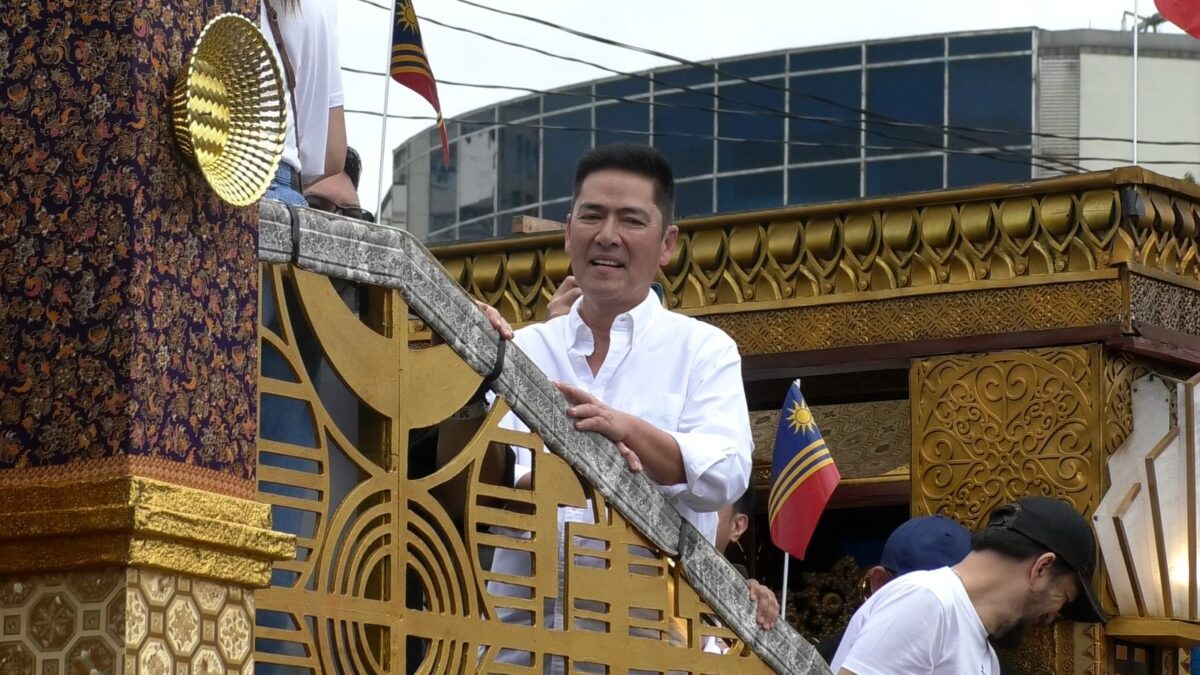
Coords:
pixel 129 541
pixel 988 428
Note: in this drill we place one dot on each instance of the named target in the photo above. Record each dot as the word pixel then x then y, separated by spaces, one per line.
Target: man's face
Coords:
pixel 1047 595
pixel 615 239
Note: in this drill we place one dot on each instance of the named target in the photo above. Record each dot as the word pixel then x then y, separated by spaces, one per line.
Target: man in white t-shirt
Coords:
pixel 1030 565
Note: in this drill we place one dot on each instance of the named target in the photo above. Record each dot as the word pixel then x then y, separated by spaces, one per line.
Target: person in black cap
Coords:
pixel 1031 564
pixel 924 543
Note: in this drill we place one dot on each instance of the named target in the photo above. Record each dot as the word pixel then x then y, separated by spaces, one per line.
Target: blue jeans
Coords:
pixel 281 186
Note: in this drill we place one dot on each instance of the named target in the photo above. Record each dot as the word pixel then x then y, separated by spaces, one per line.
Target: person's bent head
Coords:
pixel 339 193
pixel 924 543
pixel 1051 555
pixel 734 520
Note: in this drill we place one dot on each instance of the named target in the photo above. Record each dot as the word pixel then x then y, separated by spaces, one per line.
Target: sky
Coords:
pixel 693 29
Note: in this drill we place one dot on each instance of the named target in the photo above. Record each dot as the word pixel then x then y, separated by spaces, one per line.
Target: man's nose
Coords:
pixel 609 231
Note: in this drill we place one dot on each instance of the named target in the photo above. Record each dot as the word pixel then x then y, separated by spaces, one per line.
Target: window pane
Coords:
pixel 991 94
pixel 570 98
pixel 693 199
pixel 911 94
pixel 768 65
pixel 527 107
pixel 625 86
pixel 443 205
pixel 684 77
pixel 896 176
pixel 480 229
pixel 614 119
pixel 563 148
pixel 885 52
pixel 964 170
pixel 691 154
pixel 826 58
pixel 757 121
pixel 476 168
pixel 844 88
pixel 746 193
pixel 518 170
pixel 559 210
pixel 996 42
pixel 486 115
pixel 823 183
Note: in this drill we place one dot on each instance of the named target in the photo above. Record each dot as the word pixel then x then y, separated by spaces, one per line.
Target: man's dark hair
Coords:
pixel 641 160
pixel 353 166
pixel 745 503
pixel 1013 545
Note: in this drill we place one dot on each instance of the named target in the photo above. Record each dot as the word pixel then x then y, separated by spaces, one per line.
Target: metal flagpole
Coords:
pixel 783 596
pixel 1136 20
pixel 387 80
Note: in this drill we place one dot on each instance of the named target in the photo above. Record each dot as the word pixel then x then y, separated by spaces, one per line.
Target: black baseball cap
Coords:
pixel 1060 529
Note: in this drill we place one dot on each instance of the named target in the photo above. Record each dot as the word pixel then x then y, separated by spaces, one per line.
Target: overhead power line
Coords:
pixel 684 106
pixel 719 97
pixel 950 130
pixel 1015 150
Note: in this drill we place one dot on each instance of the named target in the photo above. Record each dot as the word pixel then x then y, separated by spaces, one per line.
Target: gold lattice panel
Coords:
pixel 386 581
pixel 988 428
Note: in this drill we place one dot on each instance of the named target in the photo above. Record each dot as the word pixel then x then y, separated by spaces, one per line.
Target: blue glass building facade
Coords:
pixel 794 127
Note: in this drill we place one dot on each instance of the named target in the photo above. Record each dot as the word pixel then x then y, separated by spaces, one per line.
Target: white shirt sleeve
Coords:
pixel 336 96
pixel 714 432
pixel 900 636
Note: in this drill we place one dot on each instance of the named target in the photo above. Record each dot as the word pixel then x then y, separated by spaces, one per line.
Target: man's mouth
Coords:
pixel 605 262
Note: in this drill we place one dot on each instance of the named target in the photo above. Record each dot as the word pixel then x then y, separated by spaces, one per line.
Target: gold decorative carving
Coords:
pixel 838 252
pixel 386 581
pixel 1160 300
pixel 925 317
pixel 990 428
pixel 115 619
pixel 141 522
pixel 866 439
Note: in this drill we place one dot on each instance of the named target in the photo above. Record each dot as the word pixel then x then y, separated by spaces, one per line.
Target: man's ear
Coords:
pixel 877 576
pixel 668 248
pixel 1042 566
pixel 737 526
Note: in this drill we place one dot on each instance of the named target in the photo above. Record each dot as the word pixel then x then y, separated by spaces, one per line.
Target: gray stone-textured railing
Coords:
pixel 391 258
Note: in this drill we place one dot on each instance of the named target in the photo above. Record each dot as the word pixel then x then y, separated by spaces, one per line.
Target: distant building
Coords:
pixel 788 127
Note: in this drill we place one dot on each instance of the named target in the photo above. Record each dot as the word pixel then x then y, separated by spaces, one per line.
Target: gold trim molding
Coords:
pixel 1038 232
pixel 142 522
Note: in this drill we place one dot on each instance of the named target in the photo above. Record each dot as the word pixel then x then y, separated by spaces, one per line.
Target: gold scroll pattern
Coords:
pixel 915 242
pixel 988 428
pixel 130 620
pixel 385 580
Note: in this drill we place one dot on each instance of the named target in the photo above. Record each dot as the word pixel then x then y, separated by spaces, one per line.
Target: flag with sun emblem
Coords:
pixel 803 476
pixel 411 68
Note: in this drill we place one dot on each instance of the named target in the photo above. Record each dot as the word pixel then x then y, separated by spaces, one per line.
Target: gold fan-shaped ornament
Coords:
pixel 229 111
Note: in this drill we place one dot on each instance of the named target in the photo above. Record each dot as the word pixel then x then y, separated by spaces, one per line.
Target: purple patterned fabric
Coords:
pixel 128 290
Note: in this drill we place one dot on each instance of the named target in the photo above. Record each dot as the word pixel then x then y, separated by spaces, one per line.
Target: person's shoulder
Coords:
pixel 934 584
pixel 537 333
pixel 682 324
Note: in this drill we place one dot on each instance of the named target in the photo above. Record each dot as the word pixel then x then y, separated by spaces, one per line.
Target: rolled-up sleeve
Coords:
pixel 714 431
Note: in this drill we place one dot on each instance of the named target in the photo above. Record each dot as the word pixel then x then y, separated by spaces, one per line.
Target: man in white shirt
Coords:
pixel 666 388
pixel 1030 565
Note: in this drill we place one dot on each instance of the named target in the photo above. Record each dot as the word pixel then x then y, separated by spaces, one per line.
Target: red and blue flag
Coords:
pixel 803 476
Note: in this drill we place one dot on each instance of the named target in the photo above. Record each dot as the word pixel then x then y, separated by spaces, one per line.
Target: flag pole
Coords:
pixel 783 596
pixel 1136 20
pixel 387 81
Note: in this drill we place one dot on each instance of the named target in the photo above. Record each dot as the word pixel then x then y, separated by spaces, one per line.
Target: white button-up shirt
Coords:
pixel 682 375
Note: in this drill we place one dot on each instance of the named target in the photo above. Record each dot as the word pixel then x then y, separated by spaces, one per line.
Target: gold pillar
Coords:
pixel 989 428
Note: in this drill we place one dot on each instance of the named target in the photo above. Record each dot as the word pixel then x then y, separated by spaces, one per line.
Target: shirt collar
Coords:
pixel 640 317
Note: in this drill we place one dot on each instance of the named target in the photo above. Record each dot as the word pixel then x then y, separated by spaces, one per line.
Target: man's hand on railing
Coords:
pixel 766 604
pixel 493 316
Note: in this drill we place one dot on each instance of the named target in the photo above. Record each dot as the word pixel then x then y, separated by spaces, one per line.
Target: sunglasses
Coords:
pixel 329 206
